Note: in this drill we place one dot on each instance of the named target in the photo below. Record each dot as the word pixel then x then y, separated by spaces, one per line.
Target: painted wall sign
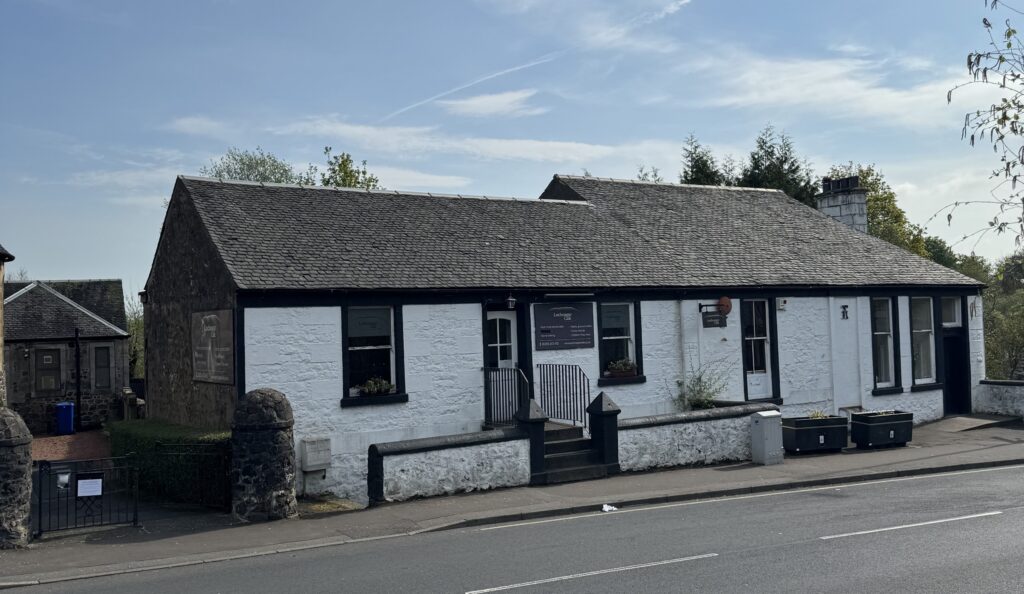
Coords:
pixel 213 346
pixel 714 319
pixel 563 326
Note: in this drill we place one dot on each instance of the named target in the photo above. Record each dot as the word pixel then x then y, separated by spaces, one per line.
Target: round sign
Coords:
pixel 725 305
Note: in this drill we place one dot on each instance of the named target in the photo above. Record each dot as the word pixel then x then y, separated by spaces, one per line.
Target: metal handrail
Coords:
pixel 564 392
pixel 505 391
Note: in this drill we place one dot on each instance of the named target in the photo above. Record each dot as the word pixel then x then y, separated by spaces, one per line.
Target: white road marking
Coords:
pixel 592 573
pixel 957 519
pixel 751 496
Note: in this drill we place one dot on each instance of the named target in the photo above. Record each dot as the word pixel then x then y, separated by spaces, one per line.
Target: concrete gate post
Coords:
pixel 263 457
pixel 15 480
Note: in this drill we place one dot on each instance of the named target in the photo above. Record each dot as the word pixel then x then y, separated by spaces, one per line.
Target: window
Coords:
pixel 48 369
pixel 500 343
pixel 371 352
pixel 882 342
pixel 754 316
pixel 101 374
pixel 951 312
pixel 922 339
pixel 617 344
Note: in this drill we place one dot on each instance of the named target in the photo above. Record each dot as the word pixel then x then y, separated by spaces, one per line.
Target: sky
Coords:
pixel 104 102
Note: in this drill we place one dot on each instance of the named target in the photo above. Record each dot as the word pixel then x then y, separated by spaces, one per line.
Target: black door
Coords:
pixel 957 392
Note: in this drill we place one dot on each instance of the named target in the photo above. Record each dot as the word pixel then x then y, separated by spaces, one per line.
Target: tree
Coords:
pixel 886 220
pixel 699 165
pixel 137 337
pixel 773 164
pixel 1004 334
pixel 342 172
pixel 648 175
pixel 257 166
pixel 940 252
pixel 975 267
pixel 21 275
pixel 1000 66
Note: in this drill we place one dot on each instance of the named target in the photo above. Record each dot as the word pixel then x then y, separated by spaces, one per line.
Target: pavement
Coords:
pixel 175 537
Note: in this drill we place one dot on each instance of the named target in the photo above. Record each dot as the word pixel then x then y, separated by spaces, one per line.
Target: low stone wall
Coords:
pixel 999 397
pixel 402 470
pixel 40 411
pixel 687 438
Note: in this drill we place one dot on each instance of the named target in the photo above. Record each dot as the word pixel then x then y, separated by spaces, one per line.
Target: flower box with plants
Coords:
pixel 879 428
pixel 817 432
pixel 620 368
pixel 376 386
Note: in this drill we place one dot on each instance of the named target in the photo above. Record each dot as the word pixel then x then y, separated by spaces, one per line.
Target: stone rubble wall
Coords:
pixel 15 480
pixel 999 398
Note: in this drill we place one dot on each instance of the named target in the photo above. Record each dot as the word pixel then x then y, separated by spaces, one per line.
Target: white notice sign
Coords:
pixel 90 487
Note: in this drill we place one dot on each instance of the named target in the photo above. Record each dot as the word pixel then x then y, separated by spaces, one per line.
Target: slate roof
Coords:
pixel 45 310
pixel 583 233
pixel 5 256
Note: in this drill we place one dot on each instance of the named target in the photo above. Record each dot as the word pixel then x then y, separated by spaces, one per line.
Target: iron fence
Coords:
pixel 506 389
pixel 563 392
pixel 85 493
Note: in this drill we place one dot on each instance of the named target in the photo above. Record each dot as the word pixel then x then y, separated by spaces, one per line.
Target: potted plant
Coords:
pixel 877 428
pixel 376 386
pixel 817 432
pixel 621 368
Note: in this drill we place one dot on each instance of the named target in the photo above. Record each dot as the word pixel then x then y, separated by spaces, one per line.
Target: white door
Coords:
pixel 500 334
pixel 757 366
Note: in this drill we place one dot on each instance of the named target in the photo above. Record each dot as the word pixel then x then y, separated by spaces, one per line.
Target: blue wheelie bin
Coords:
pixel 65 418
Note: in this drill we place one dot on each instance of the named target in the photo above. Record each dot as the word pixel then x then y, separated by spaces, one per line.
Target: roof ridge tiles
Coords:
pixel 663 183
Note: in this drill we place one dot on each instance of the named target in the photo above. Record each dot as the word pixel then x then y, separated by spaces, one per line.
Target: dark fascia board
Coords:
pixel 696 416
pixel 991 382
pixel 66 339
pixel 445 442
pixel 284 297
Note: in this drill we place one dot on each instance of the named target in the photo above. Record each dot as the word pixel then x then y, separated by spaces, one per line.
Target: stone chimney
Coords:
pixel 845 201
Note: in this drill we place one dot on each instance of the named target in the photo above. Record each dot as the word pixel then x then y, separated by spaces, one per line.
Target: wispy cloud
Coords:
pixel 507 104
pixel 398 178
pixel 126 179
pixel 198 125
pixel 542 60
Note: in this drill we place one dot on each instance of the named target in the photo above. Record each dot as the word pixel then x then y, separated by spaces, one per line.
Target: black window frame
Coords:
pixel 36 371
pixel 397 344
pixel 636 336
pixel 109 368
pixel 894 322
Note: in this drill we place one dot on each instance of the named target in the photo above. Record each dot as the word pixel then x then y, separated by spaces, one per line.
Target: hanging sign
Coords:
pixel 714 319
pixel 563 326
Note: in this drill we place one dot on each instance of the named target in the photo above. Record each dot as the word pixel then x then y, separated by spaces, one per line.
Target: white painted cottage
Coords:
pixel 387 316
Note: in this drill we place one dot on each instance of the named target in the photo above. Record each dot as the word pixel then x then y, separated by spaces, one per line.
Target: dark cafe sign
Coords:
pixel 563 326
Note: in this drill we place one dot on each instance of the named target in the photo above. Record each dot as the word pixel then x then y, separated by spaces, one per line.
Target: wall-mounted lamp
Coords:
pixel 510 301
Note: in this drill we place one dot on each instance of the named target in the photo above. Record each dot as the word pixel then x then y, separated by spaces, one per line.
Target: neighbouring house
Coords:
pixel 5 257
pixel 65 342
pixel 388 316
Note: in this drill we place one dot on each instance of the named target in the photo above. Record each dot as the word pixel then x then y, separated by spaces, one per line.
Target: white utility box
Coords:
pixel 766 437
pixel 315 454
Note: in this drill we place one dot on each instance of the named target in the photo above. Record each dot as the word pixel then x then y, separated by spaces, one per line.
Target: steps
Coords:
pixel 568 456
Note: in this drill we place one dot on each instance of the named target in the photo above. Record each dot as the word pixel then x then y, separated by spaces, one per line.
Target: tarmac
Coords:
pixel 176 537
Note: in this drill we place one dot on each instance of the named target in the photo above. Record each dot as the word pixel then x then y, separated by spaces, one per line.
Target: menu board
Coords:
pixel 563 326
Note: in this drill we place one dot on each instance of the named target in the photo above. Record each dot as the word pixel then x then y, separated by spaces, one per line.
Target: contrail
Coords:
pixel 542 60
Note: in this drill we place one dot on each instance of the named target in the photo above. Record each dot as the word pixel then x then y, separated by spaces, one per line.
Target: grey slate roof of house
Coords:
pixel 583 233
pixel 5 256
pixel 47 310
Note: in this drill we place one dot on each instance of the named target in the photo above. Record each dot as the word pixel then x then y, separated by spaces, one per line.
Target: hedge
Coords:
pixel 190 467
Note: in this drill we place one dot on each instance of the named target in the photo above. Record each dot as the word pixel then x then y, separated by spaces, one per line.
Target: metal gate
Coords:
pixel 195 473
pixel 564 392
pixel 85 493
pixel 506 389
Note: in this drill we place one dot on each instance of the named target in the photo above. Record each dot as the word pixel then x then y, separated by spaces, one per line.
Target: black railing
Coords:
pixel 85 493
pixel 505 390
pixel 195 473
pixel 564 392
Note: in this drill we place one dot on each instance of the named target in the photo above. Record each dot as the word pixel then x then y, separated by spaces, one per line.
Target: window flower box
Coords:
pixel 621 368
pixel 814 434
pixel 882 428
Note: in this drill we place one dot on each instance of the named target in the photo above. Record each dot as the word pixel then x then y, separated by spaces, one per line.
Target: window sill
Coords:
pixel 621 381
pixel 887 391
pixel 925 387
pixel 374 400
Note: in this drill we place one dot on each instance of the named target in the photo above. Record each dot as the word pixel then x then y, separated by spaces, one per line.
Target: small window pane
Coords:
pixel 950 311
pixel 492 356
pixel 922 355
pixel 368 364
pixel 505 353
pixel 760 314
pixel 921 313
pixel 492 331
pixel 102 367
pixel 883 358
pixel 615 320
pixel 369 326
pixel 880 315
pixel 757 355
pixel 504 331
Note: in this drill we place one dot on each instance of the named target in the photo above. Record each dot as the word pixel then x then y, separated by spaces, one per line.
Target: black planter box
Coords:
pixel 873 429
pixel 803 434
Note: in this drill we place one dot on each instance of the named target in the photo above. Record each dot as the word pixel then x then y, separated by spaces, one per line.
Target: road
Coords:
pixel 960 532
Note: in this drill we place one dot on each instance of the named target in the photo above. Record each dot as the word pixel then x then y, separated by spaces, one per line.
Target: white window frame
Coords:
pixel 630 342
pixel 511 344
pixel 747 340
pixel 890 335
pixel 931 342
pixel 958 322
pixel 92 365
pixel 391 344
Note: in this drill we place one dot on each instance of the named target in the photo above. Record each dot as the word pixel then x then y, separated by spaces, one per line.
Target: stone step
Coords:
pixel 579 473
pixel 561 433
pixel 569 460
pixel 567 445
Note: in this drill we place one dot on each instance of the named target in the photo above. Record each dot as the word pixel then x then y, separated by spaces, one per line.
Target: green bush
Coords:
pixel 194 469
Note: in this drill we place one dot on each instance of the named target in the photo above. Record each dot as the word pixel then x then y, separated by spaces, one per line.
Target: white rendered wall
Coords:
pixel 805 355
pixel 681 444
pixel 588 359
pixel 457 470
pixel 717 349
pixel 298 351
pixel 849 365
pixel 662 359
pixel 976 342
